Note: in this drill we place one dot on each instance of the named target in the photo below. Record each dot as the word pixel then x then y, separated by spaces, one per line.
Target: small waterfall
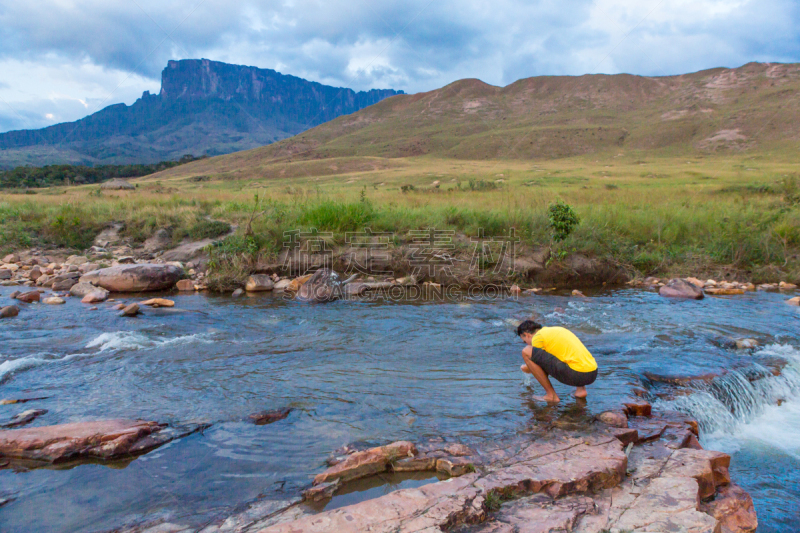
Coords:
pixel 740 396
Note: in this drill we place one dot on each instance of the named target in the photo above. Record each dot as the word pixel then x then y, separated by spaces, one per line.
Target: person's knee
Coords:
pixel 525 369
pixel 527 352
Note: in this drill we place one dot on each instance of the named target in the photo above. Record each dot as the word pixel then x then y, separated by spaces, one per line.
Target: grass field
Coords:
pixel 699 214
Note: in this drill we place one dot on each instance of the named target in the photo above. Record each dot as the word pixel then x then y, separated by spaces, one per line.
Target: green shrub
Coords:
pixel 563 220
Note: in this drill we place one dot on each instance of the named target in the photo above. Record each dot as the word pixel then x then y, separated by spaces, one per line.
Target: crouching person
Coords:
pixel 556 352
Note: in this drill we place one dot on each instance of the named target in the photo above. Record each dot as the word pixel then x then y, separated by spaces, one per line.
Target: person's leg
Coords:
pixel 580 392
pixel 541 377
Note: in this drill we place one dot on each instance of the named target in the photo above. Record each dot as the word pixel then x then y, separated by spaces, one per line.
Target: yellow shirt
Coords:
pixel 566 347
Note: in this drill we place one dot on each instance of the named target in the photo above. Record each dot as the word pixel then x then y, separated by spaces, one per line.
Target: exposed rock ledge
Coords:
pixel 650 477
pixel 94 440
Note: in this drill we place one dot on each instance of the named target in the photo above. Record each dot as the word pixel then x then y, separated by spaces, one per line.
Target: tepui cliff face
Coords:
pixel 204 108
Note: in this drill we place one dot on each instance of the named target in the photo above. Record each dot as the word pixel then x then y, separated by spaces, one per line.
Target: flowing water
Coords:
pixel 372 372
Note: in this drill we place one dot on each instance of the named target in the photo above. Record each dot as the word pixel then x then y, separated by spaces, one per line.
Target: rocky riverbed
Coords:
pixel 119 393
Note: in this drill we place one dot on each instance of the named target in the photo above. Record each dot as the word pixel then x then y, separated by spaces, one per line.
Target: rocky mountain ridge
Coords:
pixel 204 108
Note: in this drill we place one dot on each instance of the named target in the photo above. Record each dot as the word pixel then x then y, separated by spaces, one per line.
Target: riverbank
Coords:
pixel 720 217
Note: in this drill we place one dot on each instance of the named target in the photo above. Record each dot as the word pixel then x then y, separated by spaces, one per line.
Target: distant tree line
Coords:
pixel 54 175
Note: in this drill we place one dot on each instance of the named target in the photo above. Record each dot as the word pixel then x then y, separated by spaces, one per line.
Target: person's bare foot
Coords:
pixel 580 392
pixel 549 398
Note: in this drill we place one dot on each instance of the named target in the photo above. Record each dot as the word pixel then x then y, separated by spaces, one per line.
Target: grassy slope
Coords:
pixel 667 200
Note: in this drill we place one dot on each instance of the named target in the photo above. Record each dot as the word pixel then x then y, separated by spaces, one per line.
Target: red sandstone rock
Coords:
pixel 680 288
pixel 640 408
pixel 29 297
pixel 104 439
pixel 733 507
pixel 368 462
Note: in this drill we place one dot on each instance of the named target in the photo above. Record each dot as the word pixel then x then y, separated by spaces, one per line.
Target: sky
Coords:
pixel 61 60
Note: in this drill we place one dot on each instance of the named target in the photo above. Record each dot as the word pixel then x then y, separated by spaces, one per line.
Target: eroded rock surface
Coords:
pixel 102 439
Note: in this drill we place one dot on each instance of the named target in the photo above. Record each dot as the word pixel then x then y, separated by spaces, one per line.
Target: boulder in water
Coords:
pixel 135 278
pixel 100 295
pixel 9 311
pixel 680 288
pixel 259 283
pixel 794 301
pixel 158 302
pixel 282 284
pixel 733 507
pixel 130 310
pixel 29 297
pixel 82 288
pixel 54 300
pixel 268 417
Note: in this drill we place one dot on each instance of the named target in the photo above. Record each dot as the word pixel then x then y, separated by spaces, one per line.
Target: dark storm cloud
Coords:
pixel 65 54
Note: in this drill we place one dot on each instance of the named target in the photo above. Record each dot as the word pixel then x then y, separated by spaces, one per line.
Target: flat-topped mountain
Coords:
pixel 204 108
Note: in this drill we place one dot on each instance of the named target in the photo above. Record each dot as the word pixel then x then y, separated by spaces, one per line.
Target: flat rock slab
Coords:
pixel 102 439
pixel 556 466
pixel 135 278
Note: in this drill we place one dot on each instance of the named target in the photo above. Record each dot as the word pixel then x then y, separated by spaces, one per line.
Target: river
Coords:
pixel 371 372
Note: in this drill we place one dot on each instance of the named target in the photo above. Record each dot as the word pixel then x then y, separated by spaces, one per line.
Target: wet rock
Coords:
pixel 296 283
pixel 367 462
pixel 578 293
pixel 321 492
pixel 625 435
pixel 25 417
pixel 135 278
pixel 678 379
pixel 130 310
pixel 9 311
pixel 259 515
pixel 324 285
pixel 54 300
pixel 100 295
pixel 119 307
pixel 158 302
pixel 282 285
pixel 794 301
pixel 455 466
pixel 29 297
pixel 680 288
pixel 419 463
pixel 746 344
pixel 724 291
pixel 640 408
pixel 237 293
pixel 617 419
pixel 105 439
pixel 259 283
pixel 185 285
pixel 268 417
pixel 734 510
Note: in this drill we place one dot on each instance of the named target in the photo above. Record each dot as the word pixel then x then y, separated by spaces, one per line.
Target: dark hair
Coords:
pixel 528 326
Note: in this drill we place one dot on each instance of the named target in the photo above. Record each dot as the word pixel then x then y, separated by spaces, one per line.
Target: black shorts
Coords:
pixel 561 371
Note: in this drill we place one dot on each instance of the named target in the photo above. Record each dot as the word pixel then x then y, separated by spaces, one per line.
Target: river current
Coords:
pixel 372 372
